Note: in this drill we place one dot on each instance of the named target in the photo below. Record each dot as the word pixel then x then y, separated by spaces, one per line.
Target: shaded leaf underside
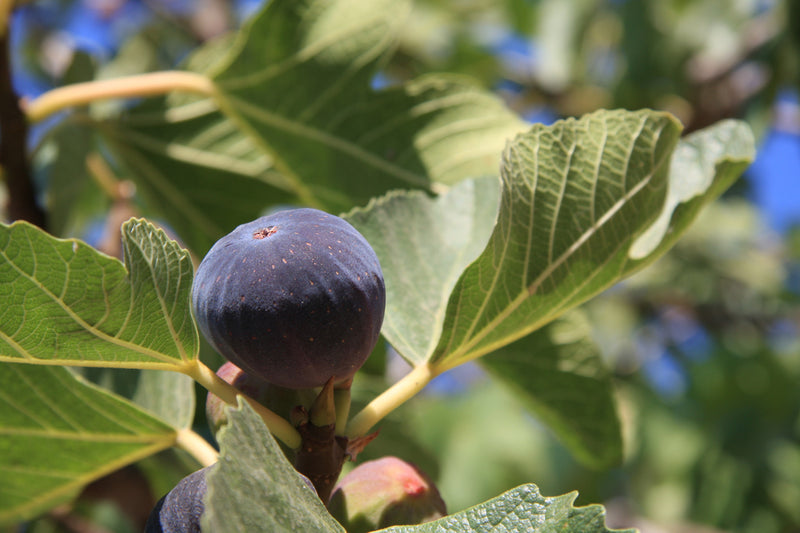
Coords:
pixel 557 372
pixel 573 196
pixel 58 433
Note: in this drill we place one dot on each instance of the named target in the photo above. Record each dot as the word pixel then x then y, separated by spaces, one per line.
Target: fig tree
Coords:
pixel 382 493
pixel 295 298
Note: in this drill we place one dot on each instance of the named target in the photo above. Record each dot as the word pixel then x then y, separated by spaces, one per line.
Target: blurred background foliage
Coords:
pixel 704 344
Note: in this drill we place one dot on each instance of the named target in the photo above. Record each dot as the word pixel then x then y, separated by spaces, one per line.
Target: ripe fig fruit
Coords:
pixel 180 509
pixel 295 298
pixel 278 399
pixel 382 493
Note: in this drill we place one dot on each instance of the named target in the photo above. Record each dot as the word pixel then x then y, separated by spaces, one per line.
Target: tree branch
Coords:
pixel 22 204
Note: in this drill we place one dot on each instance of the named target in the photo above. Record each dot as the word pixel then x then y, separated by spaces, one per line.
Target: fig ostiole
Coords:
pixel 294 298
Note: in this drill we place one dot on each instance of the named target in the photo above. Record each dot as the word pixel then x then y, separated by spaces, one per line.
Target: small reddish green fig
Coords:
pixel 293 298
pixel 382 493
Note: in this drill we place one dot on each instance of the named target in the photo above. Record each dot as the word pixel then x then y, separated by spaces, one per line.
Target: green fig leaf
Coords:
pixel 67 304
pixel 558 374
pixel 522 509
pixel 576 196
pixel 298 82
pixel 58 433
pixel 254 488
pixel 424 244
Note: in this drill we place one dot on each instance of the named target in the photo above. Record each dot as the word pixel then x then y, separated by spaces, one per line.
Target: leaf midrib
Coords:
pixel 67 488
pixel 82 436
pixel 333 142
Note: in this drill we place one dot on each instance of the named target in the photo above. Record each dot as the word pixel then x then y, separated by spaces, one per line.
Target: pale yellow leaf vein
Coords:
pixel 81 322
pixel 41 499
pixel 547 272
pixel 333 142
pixel 47 401
pixel 78 393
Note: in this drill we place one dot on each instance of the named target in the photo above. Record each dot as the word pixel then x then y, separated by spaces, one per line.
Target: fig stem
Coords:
pixel 196 446
pixel 341 397
pixel 277 425
pixel 150 84
pixel 401 391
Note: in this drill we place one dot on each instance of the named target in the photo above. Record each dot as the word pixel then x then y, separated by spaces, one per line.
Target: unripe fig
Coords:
pixel 294 298
pixel 279 399
pixel 180 509
pixel 382 493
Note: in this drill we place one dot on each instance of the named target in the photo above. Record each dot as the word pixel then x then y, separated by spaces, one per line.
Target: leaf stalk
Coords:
pixel 150 84
pixel 277 425
pixel 403 390
pixel 196 446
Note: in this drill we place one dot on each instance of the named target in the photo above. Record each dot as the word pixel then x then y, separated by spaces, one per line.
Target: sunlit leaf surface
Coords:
pixel 424 244
pixel 67 304
pixel 520 509
pixel 299 79
pixel 575 197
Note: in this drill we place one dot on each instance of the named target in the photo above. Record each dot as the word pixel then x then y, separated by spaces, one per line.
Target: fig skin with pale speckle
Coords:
pixel 295 298
pixel 179 511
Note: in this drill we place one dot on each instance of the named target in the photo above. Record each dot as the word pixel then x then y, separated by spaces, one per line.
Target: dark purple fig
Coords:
pixel 279 399
pixel 382 493
pixel 294 298
pixel 179 511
